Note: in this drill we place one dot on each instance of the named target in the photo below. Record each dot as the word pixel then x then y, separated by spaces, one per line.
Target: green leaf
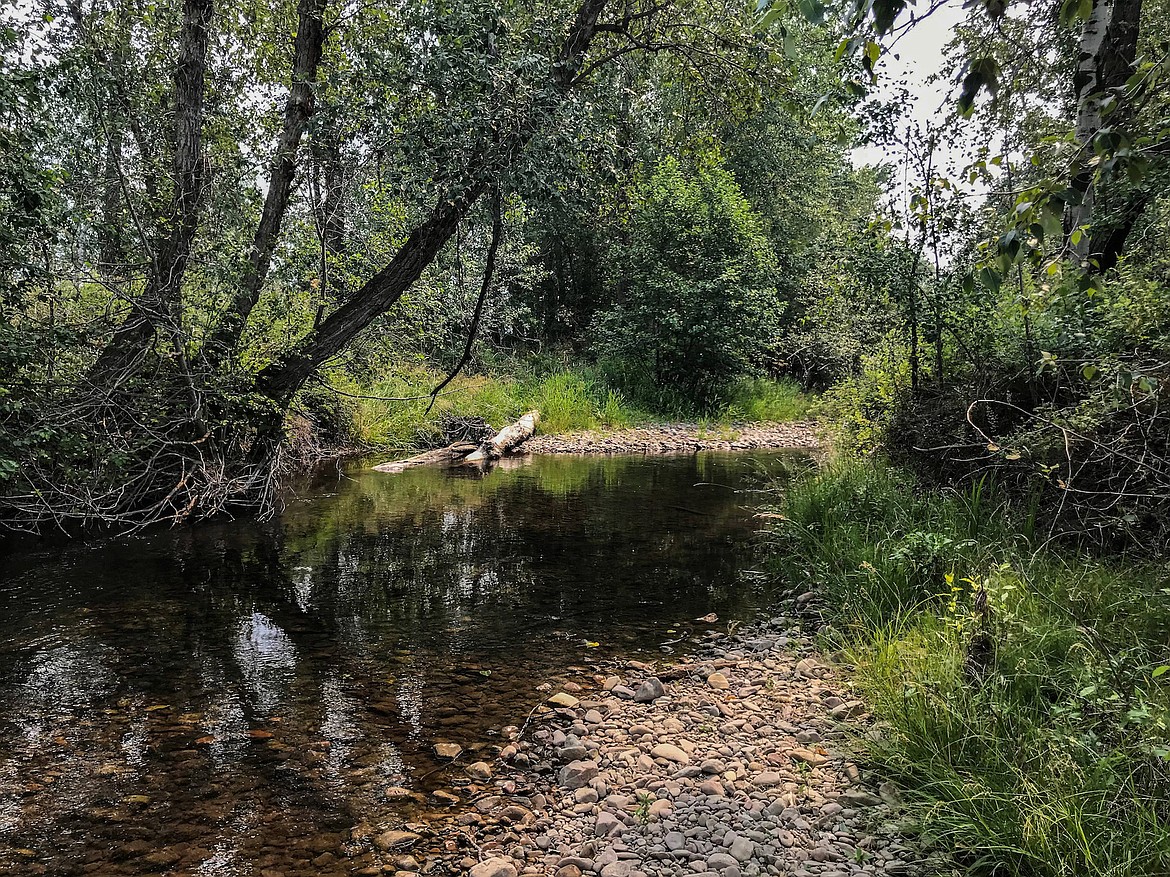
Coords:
pixel 990 278
pixel 983 73
pixel 812 10
pixel 885 12
pixel 771 18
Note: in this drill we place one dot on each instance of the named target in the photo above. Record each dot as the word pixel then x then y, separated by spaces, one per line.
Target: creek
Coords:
pixel 233 698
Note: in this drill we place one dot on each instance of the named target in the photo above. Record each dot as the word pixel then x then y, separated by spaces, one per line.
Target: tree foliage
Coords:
pixel 698 305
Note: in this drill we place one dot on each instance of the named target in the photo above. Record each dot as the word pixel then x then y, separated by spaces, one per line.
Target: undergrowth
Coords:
pixel 391 411
pixel 1019 693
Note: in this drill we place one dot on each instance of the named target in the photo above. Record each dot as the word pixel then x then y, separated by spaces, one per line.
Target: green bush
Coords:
pixel 697 284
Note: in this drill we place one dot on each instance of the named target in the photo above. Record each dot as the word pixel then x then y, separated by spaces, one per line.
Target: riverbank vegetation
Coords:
pixel 394 412
pixel 1019 690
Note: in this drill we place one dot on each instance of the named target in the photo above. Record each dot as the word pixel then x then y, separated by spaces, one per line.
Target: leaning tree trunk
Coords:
pixel 281 380
pixel 307 49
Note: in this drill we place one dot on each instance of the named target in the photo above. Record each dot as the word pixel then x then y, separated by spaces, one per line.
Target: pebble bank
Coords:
pixel 679 438
pixel 728 764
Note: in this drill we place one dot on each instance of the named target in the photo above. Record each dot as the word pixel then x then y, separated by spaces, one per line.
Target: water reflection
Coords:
pixel 236 697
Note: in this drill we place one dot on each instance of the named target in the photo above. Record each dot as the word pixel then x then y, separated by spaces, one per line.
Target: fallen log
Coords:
pixel 506 440
pixel 467 453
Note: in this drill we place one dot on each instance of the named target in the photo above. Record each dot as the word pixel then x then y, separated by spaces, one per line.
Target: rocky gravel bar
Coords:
pixel 728 764
pixel 679 438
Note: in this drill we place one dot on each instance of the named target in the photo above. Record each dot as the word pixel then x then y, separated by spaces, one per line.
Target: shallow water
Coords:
pixel 236 697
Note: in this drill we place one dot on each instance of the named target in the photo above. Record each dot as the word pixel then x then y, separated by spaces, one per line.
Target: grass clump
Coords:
pixel 1021 696
pixel 392 413
pixel 765 400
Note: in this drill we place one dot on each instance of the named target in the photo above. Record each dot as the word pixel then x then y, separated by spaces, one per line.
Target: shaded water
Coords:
pixel 236 697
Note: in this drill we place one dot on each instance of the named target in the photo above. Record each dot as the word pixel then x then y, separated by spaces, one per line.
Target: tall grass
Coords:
pixel 391 411
pixel 1017 691
pixel 762 399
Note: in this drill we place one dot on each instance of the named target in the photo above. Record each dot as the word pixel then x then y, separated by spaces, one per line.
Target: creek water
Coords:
pixel 234 698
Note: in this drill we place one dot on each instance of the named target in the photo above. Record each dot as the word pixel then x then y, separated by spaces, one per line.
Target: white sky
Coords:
pixel 916 58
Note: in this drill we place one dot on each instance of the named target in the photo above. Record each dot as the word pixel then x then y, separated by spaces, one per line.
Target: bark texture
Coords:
pixel 1106 54
pixel 307 49
pixel 157 307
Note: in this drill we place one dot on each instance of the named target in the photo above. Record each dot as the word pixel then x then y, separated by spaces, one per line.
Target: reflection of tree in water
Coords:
pixel 266 656
pixel 366 625
pixel 462 564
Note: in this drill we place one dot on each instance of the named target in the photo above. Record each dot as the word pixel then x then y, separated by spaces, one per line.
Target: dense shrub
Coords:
pixel 696 283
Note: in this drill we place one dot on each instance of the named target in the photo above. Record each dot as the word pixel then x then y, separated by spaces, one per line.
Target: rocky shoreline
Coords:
pixel 680 438
pixel 728 764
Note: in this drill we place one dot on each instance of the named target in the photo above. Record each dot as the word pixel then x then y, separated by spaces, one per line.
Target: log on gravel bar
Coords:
pixel 506 440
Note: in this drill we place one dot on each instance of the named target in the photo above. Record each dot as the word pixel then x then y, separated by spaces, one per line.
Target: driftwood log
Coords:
pixel 490 449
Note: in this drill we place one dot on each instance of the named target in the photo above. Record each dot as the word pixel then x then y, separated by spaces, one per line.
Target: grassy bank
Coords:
pixel 391 412
pixel 1021 694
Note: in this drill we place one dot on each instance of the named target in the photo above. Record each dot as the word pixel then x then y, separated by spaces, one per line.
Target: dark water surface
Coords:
pixel 236 697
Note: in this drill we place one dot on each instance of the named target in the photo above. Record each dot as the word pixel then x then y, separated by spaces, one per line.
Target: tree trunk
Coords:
pixel 1106 54
pixel 281 379
pixel 507 439
pixel 112 251
pixel 329 167
pixel 157 305
pixel 307 49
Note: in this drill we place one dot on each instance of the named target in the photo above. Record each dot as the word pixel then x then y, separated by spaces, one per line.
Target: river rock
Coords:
pixel 395 840
pixel 585 795
pixel 572 749
pixel 719 861
pixel 742 849
pixel 449 751
pixel 808 668
pixel 813 759
pixel 564 699
pixel 607 825
pixel 718 681
pixel 671 753
pixel 849 710
pixel 497 867
pixel 480 770
pixel 578 774
pixel 650 690
pixel 859 798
